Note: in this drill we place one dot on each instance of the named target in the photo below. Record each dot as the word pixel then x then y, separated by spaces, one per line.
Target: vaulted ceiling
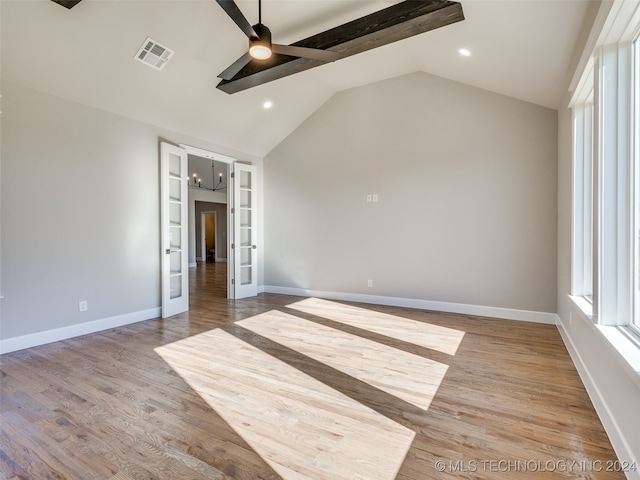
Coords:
pixel 519 48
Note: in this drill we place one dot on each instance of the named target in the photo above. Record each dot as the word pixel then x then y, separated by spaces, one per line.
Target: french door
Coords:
pixel 174 235
pixel 245 231
pixel 243 227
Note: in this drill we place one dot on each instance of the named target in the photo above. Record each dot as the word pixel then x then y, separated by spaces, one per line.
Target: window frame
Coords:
pixel 582 275
pixel 607 290
pixel 634 324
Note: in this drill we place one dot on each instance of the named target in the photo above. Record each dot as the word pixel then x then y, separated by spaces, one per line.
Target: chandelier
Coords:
pixel 195 181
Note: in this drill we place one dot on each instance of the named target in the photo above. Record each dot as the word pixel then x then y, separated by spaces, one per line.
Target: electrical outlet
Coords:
pixel 83 306
pixel 369 283
pixel 368 197
pixel 375 197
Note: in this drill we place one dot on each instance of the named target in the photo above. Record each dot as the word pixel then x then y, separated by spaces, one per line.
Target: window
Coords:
pixel 606 175
pixel 635 142
pixel 582 201
pixel 613 182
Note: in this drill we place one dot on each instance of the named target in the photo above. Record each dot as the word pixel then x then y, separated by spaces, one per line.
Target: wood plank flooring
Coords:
pixel 285 387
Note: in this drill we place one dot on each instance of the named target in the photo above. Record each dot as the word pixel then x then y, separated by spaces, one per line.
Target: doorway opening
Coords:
pixel 230 183
pixel 208 236
pixel 210 221
pixel 208 225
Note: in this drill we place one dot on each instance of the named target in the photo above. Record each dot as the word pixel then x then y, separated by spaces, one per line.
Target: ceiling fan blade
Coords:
pixel 304 52
pixel 237 16
pixel 68 3
pixel 235 67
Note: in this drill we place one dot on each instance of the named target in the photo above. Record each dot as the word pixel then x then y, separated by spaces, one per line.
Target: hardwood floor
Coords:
pixel 286 387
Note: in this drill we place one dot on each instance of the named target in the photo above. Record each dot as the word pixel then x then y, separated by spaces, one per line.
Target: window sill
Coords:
pixel 585 306
pixel 625 349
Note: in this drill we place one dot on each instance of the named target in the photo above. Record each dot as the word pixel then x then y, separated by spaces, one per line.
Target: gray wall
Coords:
pixel 467 197
pixel 89 180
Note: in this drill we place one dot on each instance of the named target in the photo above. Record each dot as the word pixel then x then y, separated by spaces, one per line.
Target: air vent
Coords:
pixel 153 54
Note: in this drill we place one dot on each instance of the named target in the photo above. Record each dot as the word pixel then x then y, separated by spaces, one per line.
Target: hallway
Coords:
pixel 207 280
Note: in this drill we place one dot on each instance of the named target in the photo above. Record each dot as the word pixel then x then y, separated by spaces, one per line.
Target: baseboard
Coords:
pixel 193 265
pixel 618 441
pixel 479 310
pixel 40 338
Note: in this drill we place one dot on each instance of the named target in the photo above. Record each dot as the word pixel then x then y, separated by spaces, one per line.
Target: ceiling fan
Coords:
pixel 396 22
pixel 260 45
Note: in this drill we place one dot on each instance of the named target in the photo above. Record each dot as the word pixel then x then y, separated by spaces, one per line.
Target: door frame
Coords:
pixel 203 241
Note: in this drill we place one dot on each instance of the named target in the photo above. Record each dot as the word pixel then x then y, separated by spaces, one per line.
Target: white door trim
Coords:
pixel 207 154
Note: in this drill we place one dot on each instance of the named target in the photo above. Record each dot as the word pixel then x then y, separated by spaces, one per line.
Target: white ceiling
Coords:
pixel 521 48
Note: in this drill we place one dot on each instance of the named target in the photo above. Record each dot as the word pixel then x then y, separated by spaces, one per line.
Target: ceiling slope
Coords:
pixel 520 48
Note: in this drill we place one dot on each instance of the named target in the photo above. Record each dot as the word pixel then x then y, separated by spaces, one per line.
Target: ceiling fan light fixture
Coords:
pixel 260 46
pixel 259 49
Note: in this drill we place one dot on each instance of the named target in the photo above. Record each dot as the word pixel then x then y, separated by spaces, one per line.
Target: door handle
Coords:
pixel 169 250
pixel 254 247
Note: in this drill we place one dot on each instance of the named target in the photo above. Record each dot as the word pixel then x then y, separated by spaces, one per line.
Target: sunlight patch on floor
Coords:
pixel 301 427
pixel 442 339
pixel 404 375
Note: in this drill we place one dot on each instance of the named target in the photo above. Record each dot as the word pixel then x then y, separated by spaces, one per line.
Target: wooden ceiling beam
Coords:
pixel 397 22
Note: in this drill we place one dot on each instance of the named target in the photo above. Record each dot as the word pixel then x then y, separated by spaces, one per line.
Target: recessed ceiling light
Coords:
pixel 267 105
pixel 464 52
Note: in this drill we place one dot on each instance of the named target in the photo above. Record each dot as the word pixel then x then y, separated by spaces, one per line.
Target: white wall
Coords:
pixel 466 181
pixel 90 180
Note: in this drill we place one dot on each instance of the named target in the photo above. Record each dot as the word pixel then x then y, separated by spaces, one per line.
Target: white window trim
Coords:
pixel 607 65
pixel 634 325
pixel 613 179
